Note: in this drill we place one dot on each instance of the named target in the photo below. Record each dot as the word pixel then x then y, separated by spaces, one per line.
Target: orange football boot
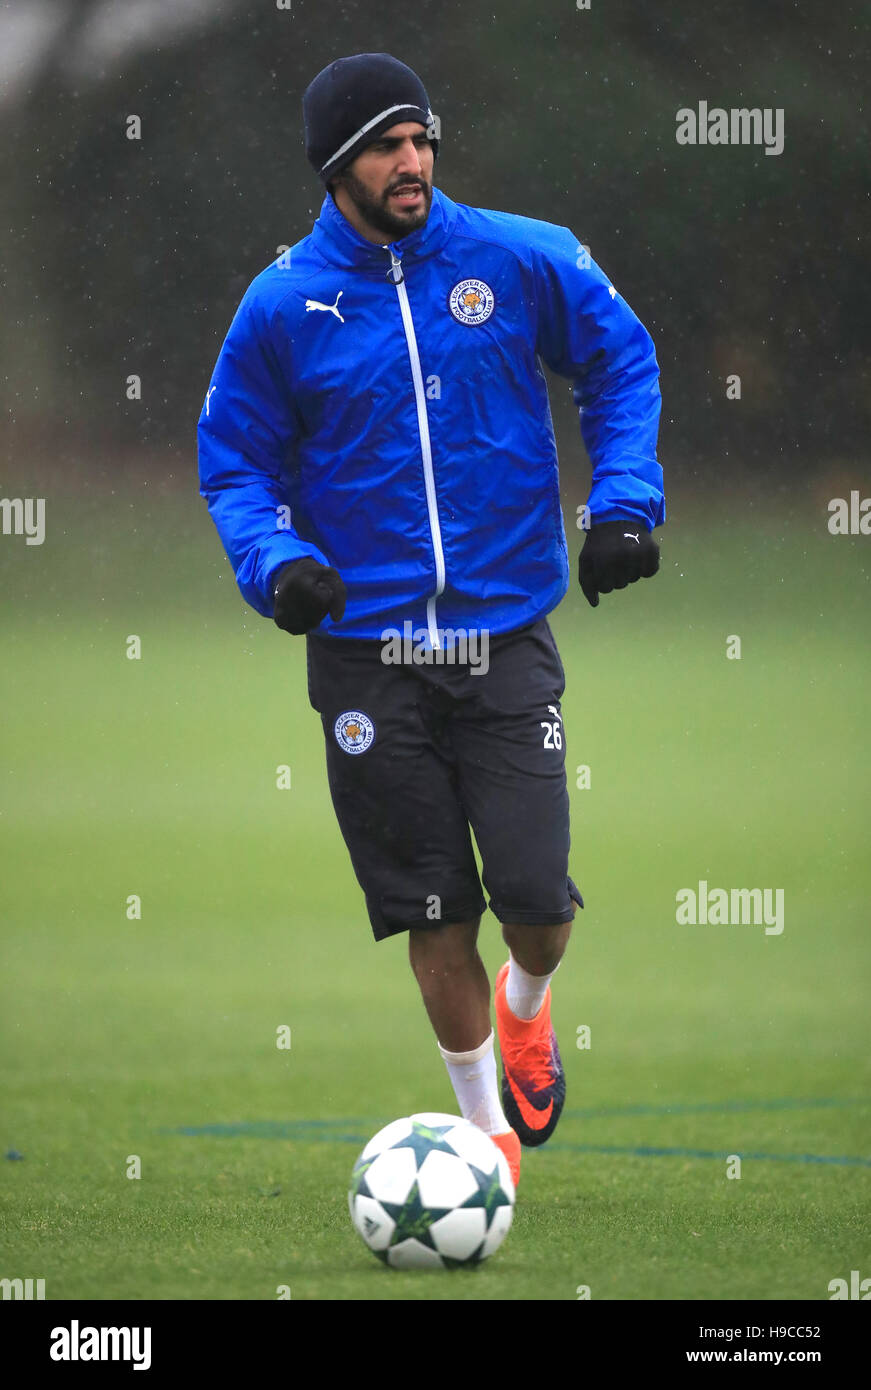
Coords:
pixel 533 1080
pixel 510 1146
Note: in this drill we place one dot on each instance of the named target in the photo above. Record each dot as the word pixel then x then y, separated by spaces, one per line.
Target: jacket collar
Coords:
pixel 341 244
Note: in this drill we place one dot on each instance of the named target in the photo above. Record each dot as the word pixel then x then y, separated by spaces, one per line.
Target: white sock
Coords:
pixel 524 993
pixel 473 1077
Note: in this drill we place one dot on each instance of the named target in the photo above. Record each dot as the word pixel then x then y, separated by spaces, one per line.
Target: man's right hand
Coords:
pixel 304 592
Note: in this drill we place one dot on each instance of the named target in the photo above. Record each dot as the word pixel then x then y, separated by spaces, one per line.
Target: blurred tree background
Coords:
pixel 128 256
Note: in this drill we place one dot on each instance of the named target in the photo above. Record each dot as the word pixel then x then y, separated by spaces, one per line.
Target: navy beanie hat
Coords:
pixel 353 101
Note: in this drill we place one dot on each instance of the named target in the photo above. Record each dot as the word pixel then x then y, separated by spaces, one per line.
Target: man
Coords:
pixel 377 454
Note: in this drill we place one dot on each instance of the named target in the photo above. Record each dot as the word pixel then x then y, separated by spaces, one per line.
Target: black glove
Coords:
pixel 615 554
pixel 304 592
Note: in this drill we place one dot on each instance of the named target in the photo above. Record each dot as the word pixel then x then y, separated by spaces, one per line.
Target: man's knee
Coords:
pixel 539 948
pixel 450 946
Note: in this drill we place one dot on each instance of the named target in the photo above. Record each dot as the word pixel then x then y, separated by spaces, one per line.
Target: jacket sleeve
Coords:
pixel 245 434
pixel 587 332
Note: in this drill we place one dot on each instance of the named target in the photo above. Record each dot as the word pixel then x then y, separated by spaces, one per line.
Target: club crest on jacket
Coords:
pixel 471 301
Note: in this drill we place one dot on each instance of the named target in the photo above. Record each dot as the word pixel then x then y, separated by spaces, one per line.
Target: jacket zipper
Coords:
pixel 396 275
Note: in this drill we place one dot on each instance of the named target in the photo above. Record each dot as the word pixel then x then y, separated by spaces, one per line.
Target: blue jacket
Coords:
pixel 384 410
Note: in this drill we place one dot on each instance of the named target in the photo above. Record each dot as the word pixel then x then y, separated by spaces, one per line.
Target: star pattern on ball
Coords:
pixel 359 1185
pixel 469 1263
pixel 413 1219
pixel 490 1195
pixel 426 1139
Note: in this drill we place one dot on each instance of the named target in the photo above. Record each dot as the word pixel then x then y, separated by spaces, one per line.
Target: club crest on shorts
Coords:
pixel 471 301
pixel 354 731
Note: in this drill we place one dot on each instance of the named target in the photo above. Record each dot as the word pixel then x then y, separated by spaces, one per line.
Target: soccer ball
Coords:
pixel 431 1192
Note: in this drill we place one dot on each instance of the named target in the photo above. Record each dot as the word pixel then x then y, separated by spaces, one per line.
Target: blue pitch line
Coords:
pixel 266 1128
pixel 306 1130
pixel 283 1129
pixel 645 1151
pixel 730 1107
pixel 311 1131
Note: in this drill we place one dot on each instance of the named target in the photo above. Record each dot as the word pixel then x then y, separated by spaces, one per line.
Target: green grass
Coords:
pixel 157 778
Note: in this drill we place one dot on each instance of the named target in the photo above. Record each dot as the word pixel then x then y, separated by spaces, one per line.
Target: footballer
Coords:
pixel 377 454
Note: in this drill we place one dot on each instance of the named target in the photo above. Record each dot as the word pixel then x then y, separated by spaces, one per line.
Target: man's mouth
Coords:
pixel 407 193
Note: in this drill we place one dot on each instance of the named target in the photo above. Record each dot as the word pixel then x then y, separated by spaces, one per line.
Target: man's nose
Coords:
pixel 409 159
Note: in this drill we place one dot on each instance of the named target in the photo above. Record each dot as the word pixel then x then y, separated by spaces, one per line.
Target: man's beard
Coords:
pixel 378 215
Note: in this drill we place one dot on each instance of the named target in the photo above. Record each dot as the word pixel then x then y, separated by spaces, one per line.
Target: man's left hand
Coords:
pixel 616 553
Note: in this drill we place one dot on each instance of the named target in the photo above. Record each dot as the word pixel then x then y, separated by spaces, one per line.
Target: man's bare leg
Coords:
pixel 453 983
pixel 456 993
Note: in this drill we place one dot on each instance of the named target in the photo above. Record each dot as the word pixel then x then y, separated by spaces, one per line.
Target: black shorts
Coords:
pixel 419 753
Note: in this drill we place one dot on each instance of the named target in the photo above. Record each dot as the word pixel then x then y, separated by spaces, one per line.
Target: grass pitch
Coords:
pixel 156 1037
